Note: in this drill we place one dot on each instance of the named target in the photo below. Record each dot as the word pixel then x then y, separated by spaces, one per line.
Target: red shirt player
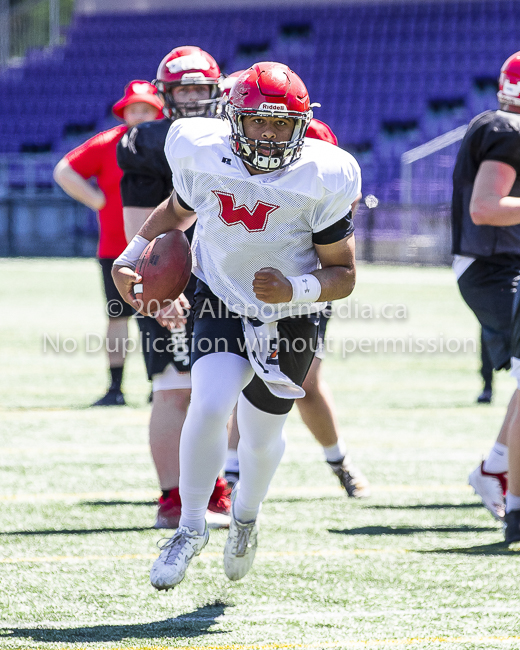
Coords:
pixel 96 158
pixel 321 131
pixel 317 408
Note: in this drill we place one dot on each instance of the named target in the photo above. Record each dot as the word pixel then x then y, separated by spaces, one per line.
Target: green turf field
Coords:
pixel 419 564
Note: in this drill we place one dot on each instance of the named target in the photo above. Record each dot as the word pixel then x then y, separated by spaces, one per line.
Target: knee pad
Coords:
pixel 171 379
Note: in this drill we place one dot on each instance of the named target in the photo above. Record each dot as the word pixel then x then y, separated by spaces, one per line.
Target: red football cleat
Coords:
pixel 169 512
pixel 219 501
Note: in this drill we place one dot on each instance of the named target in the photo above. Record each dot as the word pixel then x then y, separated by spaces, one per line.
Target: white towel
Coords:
pixel 262 350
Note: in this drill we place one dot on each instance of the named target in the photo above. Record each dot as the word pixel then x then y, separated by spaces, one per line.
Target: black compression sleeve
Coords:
pixel 183 203
pixel 338 231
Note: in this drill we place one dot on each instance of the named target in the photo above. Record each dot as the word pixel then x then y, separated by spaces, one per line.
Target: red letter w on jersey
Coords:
pixel 254 220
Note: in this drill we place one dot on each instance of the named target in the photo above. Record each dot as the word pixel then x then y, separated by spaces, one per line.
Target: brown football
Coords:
pixel 165 266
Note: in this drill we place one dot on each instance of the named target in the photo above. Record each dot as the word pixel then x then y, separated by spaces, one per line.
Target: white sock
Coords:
pixel 512 502
pixel 497 460
pixel 260 451
pixel 335 453
pixel 231 461
pixel 217 380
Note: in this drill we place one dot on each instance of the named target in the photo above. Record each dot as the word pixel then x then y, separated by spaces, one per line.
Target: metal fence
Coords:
pixel 36 217
pixel 426 171
pixel 404 234
pixel 30 24
pixel 45 226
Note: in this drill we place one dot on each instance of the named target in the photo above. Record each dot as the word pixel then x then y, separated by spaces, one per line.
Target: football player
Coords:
pixel 96 158
pixel 188 81
pixel 486 372
pixel 273 243
pixel 486 245
pixel 317 407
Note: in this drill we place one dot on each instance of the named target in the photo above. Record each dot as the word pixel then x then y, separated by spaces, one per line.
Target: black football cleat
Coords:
pixel 114 397
pixel 351 478
pixel 512 526
pixel 485 396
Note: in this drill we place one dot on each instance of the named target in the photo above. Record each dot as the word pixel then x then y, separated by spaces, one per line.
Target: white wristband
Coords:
pixel 132 252
pixel 306 288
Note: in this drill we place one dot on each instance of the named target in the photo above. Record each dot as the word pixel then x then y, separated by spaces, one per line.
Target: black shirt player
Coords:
pixel 188 79
pixel 486 245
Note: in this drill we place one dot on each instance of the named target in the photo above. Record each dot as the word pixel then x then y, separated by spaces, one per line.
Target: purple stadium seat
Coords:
pixel 367 64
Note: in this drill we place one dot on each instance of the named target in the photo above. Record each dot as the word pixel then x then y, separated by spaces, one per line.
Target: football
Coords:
pixel 165 267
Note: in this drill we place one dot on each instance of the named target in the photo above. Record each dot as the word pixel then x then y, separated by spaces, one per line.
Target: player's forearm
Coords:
pixel 336 282
pixel 77 187
pixel 167 216
pixel 337 276
pixel 156 224
pixel 497 211
pixel 134 218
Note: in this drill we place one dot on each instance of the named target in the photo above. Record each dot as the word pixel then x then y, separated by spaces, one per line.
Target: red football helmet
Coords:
pixel 184 66
pixel 228 83
pixel 321 131
pixel 509 81
pixel 270 90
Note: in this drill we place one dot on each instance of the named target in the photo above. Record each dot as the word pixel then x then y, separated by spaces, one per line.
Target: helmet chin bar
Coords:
pixel 201 108
pixel 280 154
pixel 507 99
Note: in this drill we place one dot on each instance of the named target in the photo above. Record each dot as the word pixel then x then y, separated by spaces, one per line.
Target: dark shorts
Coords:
pixel 116 306
pixel 322 327
pixel 215 329
pixel 490 290
pixel 161 347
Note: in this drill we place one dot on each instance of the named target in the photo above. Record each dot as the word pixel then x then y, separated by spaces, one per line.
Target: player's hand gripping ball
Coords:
pixel 165 267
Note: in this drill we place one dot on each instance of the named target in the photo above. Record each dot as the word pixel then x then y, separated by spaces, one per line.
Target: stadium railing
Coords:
pixel 36 217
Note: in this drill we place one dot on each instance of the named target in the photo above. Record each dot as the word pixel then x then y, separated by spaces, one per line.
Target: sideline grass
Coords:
pixel 419 564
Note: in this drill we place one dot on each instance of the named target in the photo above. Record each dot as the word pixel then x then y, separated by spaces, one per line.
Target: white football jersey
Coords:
pixel 245 222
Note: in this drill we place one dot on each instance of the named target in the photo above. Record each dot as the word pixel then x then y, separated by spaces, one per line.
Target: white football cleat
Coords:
pixel 169 568
pixel 240 548
pixel 491 488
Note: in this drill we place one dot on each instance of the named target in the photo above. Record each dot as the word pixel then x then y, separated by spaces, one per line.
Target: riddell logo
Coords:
pixel 266 106
pixel 253 220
